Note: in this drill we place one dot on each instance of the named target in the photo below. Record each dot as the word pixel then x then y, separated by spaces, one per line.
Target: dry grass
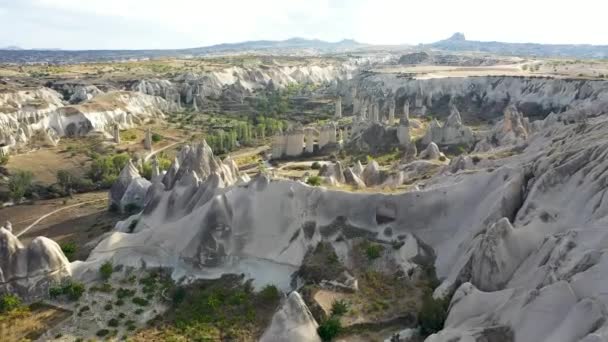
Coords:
pixel 30 323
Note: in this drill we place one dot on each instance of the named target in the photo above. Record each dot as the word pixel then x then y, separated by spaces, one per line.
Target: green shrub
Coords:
pixel 9 302
pixel 270 293
pixel 69 249
pixel 102 332
pixel 139 311
pixel 314 180
pixel 4 160
pixel 122 293
pixel 108 307
pixel 71 289
pixel 106 270
pixel 178 295
pixel 316 165
pixel 113 323
pixel 132 208
pixel 432 314
pixel 140 301
pixel 373 251
pixel 329 328
pixel 156 137
pixel 19 184
pixel 339 308
pixel 75 291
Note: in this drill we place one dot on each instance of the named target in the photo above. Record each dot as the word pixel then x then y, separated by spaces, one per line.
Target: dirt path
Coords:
pixel 26 229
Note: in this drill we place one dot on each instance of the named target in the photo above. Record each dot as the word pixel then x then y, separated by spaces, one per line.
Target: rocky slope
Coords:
pixel 234 83
pixel 526 263
pixel 484 97
pixel 39 115
pixel 29 270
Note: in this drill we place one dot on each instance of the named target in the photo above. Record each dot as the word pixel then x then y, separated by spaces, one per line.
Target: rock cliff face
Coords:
pixel 526 262
pixel 234 83
pixel 40 115
pixel 486 97
pixel 29 270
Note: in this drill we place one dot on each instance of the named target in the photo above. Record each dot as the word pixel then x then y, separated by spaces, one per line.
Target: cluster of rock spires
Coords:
pixel 193 166
pixel 29 271
pixel 453 132
pixel 41 116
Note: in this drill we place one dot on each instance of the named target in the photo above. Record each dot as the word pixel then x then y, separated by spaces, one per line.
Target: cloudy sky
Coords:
pixel 140 24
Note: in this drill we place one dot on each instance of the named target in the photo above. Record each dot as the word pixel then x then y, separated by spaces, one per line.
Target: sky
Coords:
pixel 168 24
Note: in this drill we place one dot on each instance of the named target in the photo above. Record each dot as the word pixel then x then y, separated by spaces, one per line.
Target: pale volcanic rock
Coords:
pixel 514 129
pixel 453 132
pixel 371 174
pixel 30 270
pixel 431 152
pixel 129 189
pixel 292 322
pixel 42 110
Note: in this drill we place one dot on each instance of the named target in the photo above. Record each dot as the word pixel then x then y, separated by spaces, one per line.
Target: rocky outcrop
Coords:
pixel 453 132
pixel 83 93
pixel 292 322
pixel 234 83
pixel 486 97
pixel 431 152
pixel 129 189
pixel 30 270
pixel 514 129
pixel 536 255
pixel 40 116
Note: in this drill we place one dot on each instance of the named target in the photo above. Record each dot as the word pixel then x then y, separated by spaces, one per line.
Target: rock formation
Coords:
pixel 29 114
pixel 391 112
pixel 116 134
pixel 30 270
pixel 512 130
pixel 338 113
pixel 431 152
pixel 129 189
pixel 292 322
pixel 453 132
pixel 148 139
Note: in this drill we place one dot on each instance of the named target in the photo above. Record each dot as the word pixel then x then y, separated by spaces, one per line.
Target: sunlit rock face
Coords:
pixel 129 190
pixel 29 270
pixel 292 322
pixel 234 83
pixel 40 115
pixel 506 240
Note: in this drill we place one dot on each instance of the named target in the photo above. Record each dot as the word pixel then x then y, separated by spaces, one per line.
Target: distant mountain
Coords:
pixel 11 48
pixel 289 44
pixel 458 42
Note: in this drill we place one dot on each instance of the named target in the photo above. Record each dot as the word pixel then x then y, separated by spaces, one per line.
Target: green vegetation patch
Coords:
pixel 223 309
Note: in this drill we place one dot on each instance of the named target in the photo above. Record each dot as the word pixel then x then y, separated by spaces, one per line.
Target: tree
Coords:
pixel 19 184
pixel 329 328
pixel 432 314
pixel 64 179
pixel 9 302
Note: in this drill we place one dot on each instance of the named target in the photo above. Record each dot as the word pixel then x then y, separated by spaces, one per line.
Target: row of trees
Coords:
pixel 244 134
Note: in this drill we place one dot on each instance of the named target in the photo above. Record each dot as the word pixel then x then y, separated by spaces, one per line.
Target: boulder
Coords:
pixel 431 152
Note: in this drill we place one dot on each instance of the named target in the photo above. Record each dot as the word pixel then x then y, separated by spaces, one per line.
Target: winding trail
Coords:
pixel 26 229
pixel 151 154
